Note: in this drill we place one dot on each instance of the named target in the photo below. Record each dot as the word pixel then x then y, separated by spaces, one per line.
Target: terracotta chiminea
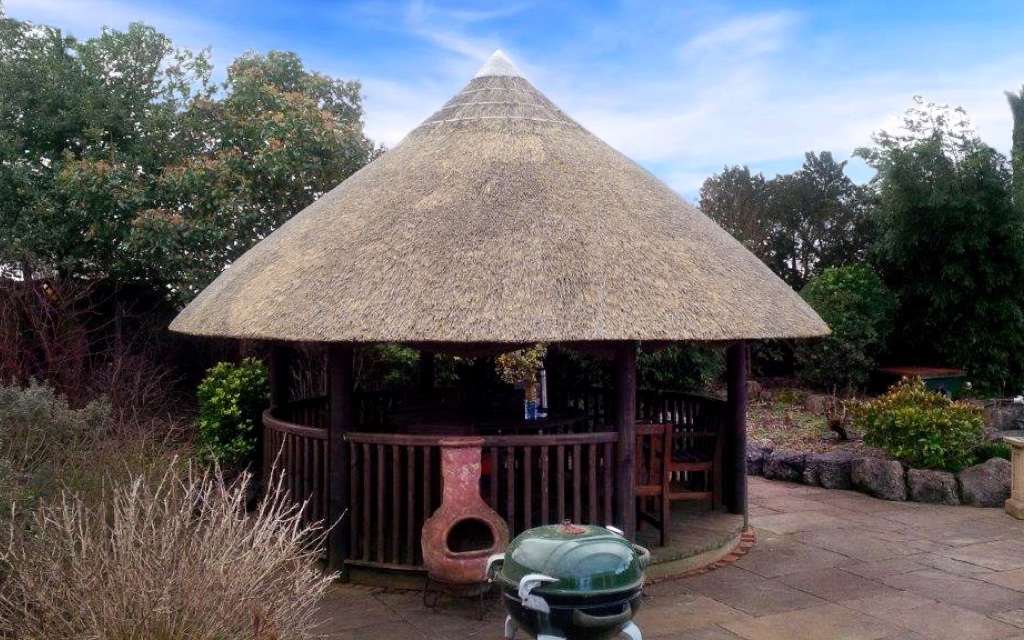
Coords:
pixel 458 538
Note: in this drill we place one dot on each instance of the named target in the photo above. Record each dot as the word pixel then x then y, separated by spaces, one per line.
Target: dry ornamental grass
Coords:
pixel 176 559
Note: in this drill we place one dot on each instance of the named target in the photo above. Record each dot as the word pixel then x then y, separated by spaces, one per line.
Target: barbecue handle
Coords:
pixel 643 556
pixel 592 622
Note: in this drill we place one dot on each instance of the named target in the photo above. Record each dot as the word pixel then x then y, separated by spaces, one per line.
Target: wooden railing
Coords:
pixel 651 406
pixel 395 482
pixel 683 409
pixel 395 485
pixel 295 445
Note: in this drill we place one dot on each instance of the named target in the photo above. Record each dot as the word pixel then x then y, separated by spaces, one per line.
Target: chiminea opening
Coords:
pixel 468 535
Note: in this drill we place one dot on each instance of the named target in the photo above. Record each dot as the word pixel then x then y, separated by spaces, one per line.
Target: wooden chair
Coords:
pixel 675 462
pixel 695 467
pixel 651 477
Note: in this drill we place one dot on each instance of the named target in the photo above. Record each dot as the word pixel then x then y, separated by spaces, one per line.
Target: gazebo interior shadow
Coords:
pixel 533 473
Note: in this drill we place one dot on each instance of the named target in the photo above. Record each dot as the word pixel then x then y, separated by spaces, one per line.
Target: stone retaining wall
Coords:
pixel 983 485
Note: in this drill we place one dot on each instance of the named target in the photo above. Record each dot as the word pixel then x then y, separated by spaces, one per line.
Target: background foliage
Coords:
pixel 950 244
pixel 942 223
pixel 859 309
pixel 798 224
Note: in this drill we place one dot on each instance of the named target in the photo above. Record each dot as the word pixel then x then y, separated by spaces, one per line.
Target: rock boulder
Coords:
pixel 986 484
pixel 935 487
pixel 830 470
pixel 755 460
pixel 785 465
pixel 879 477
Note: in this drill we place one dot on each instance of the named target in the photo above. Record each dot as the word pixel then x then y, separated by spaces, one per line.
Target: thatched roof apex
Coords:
pixel 500 219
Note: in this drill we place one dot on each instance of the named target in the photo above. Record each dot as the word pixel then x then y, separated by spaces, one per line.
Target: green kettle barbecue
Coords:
pixel 577 582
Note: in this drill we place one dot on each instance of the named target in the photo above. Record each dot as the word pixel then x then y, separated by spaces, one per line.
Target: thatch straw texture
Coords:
pixel 500 220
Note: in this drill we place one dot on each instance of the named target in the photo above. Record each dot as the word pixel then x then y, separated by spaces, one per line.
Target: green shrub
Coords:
pixel 386 367
pixel 46 448
pixel 859 309
pixel 920 427
pixel 42 438
pixel 995 449
pixel 231 400
pixel 680 368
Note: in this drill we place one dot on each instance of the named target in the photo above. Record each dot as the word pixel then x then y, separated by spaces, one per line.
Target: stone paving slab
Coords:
pixel 675 612
pixel 750 592
pixel 957 590
pixel 835 585
pixel 828 564
pixel 1014 617
pixel 799 521
pixel 882 568
pixel 1009 579
pixel 947 622
pixel 855 544
pixel 952 565
pixel 779 555
pixel 1000 555
pixel 826 622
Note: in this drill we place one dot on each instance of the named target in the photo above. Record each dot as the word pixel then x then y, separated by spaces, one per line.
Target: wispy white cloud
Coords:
pixel 745 35
pixel 445 29
pixel 681 90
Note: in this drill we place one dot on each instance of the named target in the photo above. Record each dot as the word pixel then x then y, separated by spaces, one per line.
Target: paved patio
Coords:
pixel 827 565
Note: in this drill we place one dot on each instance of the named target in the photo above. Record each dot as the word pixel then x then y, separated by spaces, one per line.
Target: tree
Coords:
pixel 1016 101
pixel 859 309
pixel 738 201
pixel 823 219
pixel 128 181
pixel 279 139
pixel 798 224
pixel 119 161
pixel 950 245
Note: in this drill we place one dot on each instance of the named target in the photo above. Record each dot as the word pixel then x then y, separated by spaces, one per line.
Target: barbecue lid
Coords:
pixel 584 559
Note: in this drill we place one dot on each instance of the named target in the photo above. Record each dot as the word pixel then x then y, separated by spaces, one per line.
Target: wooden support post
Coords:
pixel 339 358
pixel 280 373
pixel 426 370
pixel 625 423
pixel 735 449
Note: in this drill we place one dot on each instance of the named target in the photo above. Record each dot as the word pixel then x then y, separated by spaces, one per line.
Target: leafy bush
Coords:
pixel 174 559
pixel 996 449
pixel 920 427
pixel 46 447
pixel 859 309
pixel 231 400
pixel 41 439
pixel 680 368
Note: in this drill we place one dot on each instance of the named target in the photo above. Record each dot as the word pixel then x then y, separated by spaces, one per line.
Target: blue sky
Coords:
pixel 683 88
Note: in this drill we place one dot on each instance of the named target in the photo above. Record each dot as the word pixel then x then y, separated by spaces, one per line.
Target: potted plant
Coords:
pixel 523 369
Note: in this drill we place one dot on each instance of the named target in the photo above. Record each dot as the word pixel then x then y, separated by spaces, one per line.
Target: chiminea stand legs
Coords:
pixel 431 597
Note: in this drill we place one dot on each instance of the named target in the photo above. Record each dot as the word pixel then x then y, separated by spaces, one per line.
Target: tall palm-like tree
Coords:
pixel 1016 101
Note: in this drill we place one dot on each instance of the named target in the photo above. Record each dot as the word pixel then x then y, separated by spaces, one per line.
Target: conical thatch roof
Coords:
pixel 500 220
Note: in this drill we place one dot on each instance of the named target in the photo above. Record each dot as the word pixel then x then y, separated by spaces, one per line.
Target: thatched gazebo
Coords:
pixel 498 222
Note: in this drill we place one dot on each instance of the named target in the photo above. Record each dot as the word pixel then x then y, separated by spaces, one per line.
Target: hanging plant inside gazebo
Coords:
pixel 523 369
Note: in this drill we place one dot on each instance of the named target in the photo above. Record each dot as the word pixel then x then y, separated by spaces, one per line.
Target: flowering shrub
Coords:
pixel 231 398
pixel 920 427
